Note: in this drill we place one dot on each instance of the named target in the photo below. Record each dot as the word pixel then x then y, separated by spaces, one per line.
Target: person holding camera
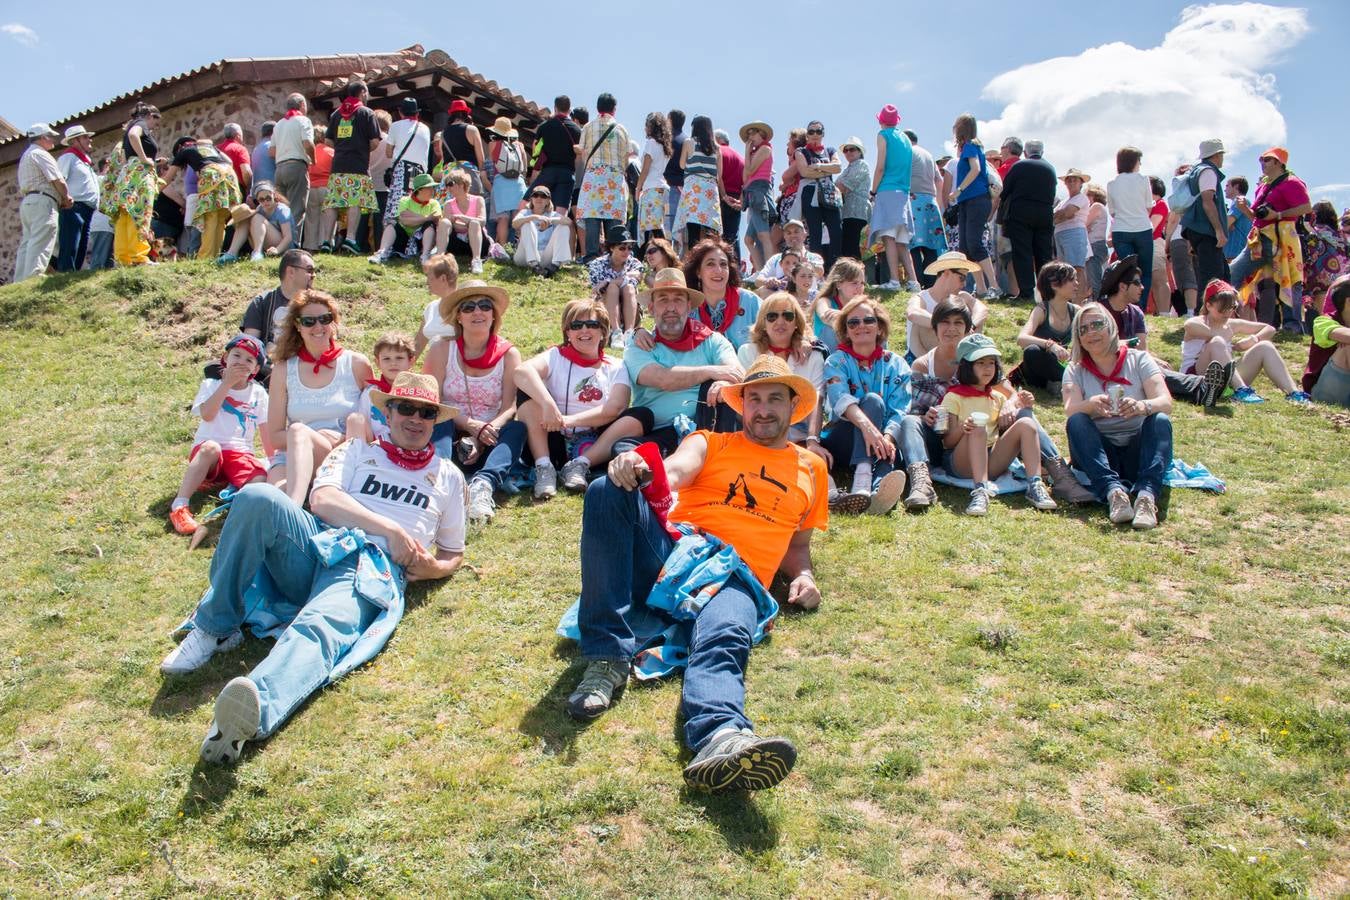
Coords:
pixel 1272 263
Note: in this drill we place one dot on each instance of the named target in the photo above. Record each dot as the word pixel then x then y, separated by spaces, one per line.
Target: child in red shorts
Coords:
pixel 230 408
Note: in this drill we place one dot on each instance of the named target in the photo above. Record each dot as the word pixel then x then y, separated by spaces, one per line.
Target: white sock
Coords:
pixel 862 478
pixel 178 503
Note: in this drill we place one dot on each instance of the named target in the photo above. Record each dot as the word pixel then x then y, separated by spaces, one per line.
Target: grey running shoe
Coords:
pixel 1038 496
pixel 889 490
pixel 1119 504
pixel 1216 379
pixel 979 502
pixel 575 474
pixel 921 492
pixel 602 681
pixel 545 480
pixel 740 759
pixel 1145 512
pixel 238 717
pixel 481 507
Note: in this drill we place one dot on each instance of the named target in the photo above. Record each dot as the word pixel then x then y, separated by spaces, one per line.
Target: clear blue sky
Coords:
pixel 764 61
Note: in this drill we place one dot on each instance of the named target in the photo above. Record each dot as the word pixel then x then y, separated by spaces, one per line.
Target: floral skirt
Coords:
pixel 652 210
pixel 217 189
pixel 134 192
pixel 346 190
pixel 604 194
pixel 699 204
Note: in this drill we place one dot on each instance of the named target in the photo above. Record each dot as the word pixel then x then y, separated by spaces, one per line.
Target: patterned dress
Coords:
pixel 217 189
pixel 700 203
pixel 604 190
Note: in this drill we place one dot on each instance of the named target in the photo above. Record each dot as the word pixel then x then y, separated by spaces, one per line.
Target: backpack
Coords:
pixel 510 162
pixel 1186 188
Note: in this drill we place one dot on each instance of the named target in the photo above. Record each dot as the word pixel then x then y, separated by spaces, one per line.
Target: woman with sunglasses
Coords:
pixel 781 330
pixel 657 255
pixel 867 391
pixel 544 235
pixel 308 408
pixel 477 374
pixel 268 231
pixel 817 165
pixel 569 394
pixel 135 185
pixel 1118 407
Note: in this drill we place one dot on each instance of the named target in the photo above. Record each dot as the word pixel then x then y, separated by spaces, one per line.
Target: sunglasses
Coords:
pixel 309 270
pixel 651 250
pixel 269 198
pixel 579 324
pixel 865 320
pixel 1137 282
pixel 407 408
pixel 311 321
pixel 787 314
pixel 482 304
pixel 1094 325
pixel 815 131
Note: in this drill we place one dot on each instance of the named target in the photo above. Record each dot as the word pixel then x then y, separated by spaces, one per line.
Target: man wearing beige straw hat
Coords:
pixel 950 271
pixel 665 586
pixel 329 584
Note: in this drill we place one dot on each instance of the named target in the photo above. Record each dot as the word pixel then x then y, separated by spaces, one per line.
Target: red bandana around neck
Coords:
pixel 496 348
pixel 780 351
pixel 864 361
pixel 817 148
pixel 732 298
pixel 695 333
pixel 326 358
pixel 382 383
pixel 1114 377
pixel 970 390
pixel 573 355
pixel 349 107
pixel 292 113
pixel 408 459
pixel 77 152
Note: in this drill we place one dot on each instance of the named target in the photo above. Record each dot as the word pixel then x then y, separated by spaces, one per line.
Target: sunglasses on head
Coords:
pixel 1094 325
pixel 579 324
pixel 408 408
pixel 787 314
pixel 865 320
pixel 311 321
pixel 482 304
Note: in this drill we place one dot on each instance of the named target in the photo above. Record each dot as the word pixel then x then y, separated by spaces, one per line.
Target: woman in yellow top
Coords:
pixel 974 447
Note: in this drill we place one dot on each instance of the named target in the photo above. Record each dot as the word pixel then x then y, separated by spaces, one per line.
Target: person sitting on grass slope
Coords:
pixel 230 407
pixel 1212 336
pixel 1327 375
pixel 690 589
pixel 331 582
pixel 393 354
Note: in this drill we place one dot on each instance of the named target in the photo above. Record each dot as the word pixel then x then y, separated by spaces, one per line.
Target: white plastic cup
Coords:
pixel 979 419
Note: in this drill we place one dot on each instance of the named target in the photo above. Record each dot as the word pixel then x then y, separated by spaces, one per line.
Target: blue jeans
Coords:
pixel 100 250
pixel 595 231
pixel 672 207
pixel 1143 461
pixel 73 236
pixel 1137 243
pixel 1096 266
pixel 265 528
pixel 493 466
pixel 919 444
pixel 845 441
pixel 623 548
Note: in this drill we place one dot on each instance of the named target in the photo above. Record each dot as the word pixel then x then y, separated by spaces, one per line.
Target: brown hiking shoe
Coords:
pixel 921 492
pixel 1065 486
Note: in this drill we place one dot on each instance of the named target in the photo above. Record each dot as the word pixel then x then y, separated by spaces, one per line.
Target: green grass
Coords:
pixel 1021 705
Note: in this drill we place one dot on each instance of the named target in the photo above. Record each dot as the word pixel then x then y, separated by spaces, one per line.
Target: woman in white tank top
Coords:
pixel 308 407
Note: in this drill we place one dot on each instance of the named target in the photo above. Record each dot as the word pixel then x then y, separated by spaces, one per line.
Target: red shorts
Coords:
pixel 235 468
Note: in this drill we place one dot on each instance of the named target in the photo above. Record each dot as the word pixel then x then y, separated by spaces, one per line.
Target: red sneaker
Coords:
pixel 182 520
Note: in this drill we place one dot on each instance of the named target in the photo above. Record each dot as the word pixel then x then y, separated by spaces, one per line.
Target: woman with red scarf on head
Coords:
pixel 1118 406
pixel 867 393
pixel 477 374
pixel 728 308
pixel 571 393
pixel 781 330
pixel 307 410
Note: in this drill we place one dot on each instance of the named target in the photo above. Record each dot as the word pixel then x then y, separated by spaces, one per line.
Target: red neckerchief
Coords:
pixel 864 361
pixel 1114 377
pixel 76 151
pixel 382 383
pixel 733 307
pixel 496 348
pixel 817 149
pixel 695 333
pixel 292 113
pixel 573 355
pixel 349 107
pixel 326 358
pixel 408 459
pixel 783 352
pixel 969 390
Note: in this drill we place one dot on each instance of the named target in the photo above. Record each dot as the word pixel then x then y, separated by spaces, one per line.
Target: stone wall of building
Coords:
pixel 250 105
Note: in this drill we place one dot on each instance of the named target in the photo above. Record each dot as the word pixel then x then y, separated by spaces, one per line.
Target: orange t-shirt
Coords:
pixel 755 499
pixel 322 166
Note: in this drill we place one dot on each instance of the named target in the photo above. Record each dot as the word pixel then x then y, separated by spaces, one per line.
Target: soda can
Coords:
pixel 940 423
pixel 1116 392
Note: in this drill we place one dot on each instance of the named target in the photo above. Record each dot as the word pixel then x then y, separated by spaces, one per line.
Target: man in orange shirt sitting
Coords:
pixel 690 588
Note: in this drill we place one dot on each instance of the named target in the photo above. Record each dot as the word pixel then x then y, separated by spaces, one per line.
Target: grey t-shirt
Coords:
pixel 1138 368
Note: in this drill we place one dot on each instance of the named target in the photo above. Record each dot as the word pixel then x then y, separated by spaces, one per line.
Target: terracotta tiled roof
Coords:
pixel 8 131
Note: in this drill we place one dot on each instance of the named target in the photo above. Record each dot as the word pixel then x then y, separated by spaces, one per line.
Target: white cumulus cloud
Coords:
pixel 21 33
pixel 1205 79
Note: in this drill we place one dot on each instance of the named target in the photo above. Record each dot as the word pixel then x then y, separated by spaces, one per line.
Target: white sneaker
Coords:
pixel 913 287
pixel 476 267
pixel 238 717
pixel 889 490
pixel 377 259
pixel 195 650
pixel 256 257
pixel 892 285
pixel 616 341
pixel 575 474
pixel 481 507
pixel 545 480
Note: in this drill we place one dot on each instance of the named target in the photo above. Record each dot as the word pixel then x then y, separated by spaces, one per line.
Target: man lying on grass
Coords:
pixel 329 575
pixel 690 590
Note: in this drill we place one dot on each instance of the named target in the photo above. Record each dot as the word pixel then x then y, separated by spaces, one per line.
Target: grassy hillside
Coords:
pixel 1021 705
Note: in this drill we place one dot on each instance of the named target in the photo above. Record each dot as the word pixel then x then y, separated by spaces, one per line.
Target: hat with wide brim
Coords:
pixel 1117 272
pixel 417 388
pixel 500 299
pixel 763 127
pixel 952 259
pixel 503 128
pixel 240 212
pixel 1076 173
pixel 771 369
pixel 671 279
pixel 854 141
pixel 75 131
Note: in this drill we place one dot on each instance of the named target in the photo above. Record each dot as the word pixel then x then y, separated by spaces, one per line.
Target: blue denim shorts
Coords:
pixel 1071 246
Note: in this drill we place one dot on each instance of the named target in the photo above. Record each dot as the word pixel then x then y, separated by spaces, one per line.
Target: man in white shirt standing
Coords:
pixel 43 191
pixel 383 514
pixel 77 168
pixel 293 149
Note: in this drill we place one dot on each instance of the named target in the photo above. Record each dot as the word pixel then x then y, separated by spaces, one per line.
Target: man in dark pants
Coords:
pixel 733 179
pixel 1204 224
pixel 1027 208
pixel 82 182
pixel 674 174
pixel 557 160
